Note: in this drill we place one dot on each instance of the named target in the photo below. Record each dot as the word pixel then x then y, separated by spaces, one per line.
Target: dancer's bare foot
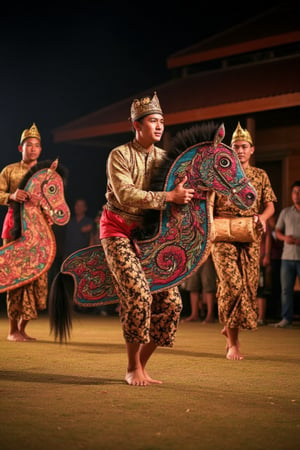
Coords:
pixel 191 319
pixel 233 353
pixel 224 332
pixel 136 378
pixel 16 337
pixel 26 337
pixel 151 380
pixel 207 321
pixel 227 346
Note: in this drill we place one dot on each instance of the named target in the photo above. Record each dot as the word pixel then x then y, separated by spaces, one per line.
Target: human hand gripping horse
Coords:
pixel 33 250
pixel 174 242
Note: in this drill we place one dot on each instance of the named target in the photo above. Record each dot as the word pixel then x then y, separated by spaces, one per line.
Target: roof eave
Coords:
pixel 230 50
pixel 194 115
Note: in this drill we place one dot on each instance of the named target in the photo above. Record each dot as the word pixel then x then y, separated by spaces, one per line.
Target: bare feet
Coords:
pixel 224 332
pixel 16 337
pixel 191 319
pixel 139 377
pixel 136 378
pixel 233 353
pixel 151 380
pixel 26 337
pixel 207 321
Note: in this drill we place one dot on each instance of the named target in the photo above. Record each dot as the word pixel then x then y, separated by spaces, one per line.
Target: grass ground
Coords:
pixel 73 396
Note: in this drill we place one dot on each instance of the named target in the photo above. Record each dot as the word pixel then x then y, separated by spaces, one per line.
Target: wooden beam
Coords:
pixel 182 117
pixel 196 57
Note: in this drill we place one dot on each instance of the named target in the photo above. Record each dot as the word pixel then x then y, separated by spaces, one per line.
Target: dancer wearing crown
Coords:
pixel 24 302
pixel 237 263
pixel 148 320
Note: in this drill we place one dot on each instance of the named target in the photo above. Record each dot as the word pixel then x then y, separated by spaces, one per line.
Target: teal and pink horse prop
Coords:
pixel 33 250
pixel 174 242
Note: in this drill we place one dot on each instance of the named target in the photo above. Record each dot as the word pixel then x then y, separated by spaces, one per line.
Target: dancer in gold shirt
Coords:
pixel 148 320
pixel 24 302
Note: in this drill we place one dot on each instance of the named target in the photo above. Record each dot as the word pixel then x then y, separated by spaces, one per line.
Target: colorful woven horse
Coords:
pixel 33 250
pixel 175 241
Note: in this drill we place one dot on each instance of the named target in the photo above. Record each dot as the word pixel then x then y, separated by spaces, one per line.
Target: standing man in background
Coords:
pixel 287 229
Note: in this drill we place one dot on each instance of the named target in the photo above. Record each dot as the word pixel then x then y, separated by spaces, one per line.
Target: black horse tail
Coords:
pixel 60 306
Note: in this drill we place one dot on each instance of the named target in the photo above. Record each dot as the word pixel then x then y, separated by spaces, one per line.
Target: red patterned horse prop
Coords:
pixel 33 249
pixel 174 242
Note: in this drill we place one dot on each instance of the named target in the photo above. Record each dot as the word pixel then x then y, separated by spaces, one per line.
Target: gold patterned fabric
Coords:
pixel 237 264
pixel 10 178
pixel 143 316
pixel 129 167
pixel 25 301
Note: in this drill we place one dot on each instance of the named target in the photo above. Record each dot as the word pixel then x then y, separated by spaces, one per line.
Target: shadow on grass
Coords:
pixel 97 347
pixel 109 348
pixel 30 377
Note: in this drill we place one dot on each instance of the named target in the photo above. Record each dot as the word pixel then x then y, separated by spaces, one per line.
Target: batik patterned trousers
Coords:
pixel 237 267
pixel 24 302
pixel 144 316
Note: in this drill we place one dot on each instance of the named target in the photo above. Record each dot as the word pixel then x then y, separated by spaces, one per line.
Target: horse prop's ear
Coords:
pixel 54 164
pixel 219 136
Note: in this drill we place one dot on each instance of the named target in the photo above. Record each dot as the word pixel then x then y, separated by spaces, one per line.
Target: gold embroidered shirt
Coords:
pixel 10 178
pixel 129 167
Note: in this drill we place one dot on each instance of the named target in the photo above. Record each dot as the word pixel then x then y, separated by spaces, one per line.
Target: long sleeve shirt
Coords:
pixel 129 167
pixel 10 178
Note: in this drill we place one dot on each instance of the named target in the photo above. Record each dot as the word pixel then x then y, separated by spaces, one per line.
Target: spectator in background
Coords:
pixel 203 283
pixel 95 234
pixel 288 230
pixel 78 230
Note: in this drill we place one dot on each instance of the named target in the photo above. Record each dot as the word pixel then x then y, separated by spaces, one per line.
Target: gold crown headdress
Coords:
pixel 145 106
pixel 32 132
pixel 241 134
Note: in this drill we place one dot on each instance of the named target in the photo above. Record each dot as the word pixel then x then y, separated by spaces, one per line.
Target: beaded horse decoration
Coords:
pixel 174 242
pixel 33 250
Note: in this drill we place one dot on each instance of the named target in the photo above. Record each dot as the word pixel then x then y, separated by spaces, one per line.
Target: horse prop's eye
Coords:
pixel 250 196
pixel 59 213
pixel 52 189
pixel 225 162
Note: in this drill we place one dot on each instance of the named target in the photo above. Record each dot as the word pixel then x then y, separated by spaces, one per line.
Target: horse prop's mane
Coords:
pixel 203 132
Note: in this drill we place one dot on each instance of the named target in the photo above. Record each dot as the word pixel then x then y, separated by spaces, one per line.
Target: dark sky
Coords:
pixel 57 67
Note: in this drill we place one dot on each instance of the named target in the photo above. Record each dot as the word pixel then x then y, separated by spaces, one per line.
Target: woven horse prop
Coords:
pixel 33 250
pixel 174 242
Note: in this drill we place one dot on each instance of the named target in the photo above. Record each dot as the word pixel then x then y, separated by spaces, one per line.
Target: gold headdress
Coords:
pixel 241 134
pixel 32 132
pixel 145 106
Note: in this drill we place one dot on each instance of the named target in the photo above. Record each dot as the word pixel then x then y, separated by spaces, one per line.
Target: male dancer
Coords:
pixel 23 302
pixel 148 320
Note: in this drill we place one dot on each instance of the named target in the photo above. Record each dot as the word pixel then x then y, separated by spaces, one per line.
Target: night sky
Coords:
pixel 58 67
